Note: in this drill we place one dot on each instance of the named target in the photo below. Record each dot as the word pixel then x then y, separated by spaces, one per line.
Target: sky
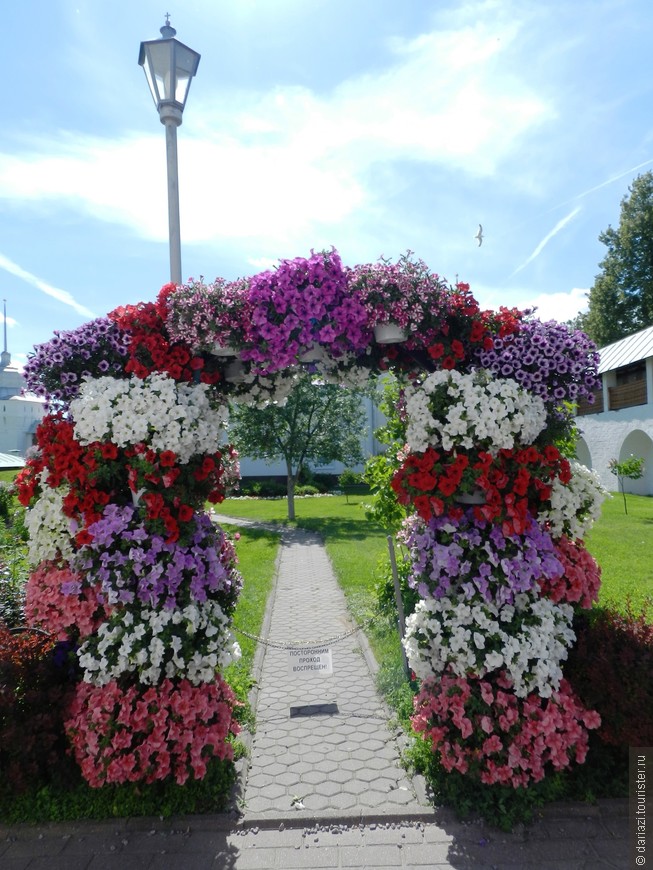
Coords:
pixel 373 126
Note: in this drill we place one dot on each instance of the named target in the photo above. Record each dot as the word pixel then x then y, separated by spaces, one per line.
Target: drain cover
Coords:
pixel 313 710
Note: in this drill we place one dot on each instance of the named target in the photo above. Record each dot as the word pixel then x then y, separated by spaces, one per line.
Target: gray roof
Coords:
pixel 7 460
pixel 626 351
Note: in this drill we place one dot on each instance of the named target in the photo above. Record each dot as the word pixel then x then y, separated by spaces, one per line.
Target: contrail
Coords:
pixel 61 295
pixel 547 238
pixel 610 180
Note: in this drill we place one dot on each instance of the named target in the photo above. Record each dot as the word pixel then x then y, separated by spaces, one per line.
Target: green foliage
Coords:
pixel 385 589
pixel 36 681
pixel 14 565
pixel 306 489
pixel 379 470
pixel 320 423
pixel 72 799
pixel 567 440
pixel 264 488
pixel 632 468
pixel 349 478
pixel 621 300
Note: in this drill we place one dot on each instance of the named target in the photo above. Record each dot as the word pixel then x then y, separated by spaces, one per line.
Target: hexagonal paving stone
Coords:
pixel 316 801
pixel 355 786
pixel 313 777
pixel 340 775
pixel 288 778
pixel 326 766
pixel 273 791
pixel 328 788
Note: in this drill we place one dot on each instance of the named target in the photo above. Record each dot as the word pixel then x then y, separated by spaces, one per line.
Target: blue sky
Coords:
pixel 371 125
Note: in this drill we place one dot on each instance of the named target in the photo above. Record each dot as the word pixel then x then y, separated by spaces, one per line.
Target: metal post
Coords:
pixel 401 621
pixel 174 231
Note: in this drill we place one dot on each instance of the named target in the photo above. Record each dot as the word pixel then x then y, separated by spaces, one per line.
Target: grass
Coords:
pixel 622 543
pixel 257 554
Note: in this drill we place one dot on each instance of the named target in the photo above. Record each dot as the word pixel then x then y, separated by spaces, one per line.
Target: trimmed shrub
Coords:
pixel 610 669
pixel 306 489
pixel 35 687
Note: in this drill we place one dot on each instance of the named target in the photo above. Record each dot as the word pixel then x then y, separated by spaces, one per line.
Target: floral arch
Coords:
pixel 131 572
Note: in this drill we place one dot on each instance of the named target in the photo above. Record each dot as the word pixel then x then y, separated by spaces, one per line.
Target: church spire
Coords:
pixel 5 356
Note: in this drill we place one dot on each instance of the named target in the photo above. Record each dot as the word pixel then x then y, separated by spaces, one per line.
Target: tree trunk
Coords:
pixel 292 480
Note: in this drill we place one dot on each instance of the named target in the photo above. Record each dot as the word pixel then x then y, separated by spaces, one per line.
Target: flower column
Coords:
pixel 493 627
pixel 134 574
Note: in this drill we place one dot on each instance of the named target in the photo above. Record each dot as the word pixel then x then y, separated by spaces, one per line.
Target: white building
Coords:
pixel 20 413
pixel 620 422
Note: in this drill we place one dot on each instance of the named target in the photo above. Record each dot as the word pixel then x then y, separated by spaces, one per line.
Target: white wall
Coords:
pixel 609 436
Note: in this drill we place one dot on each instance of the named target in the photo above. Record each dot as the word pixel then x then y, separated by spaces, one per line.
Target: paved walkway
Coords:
pixel 324 787
pixel 322 746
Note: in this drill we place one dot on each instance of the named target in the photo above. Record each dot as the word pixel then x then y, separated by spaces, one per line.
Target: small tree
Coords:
pixel 632 468
pixel 319 423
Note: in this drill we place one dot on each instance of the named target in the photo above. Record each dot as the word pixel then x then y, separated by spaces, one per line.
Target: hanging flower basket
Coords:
pixel 235 372
pixel 389 333
pixel 477 496
pixel 223 350
pixel 311 354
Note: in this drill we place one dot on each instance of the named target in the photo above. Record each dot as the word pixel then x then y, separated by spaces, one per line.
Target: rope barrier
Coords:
pixel 308 644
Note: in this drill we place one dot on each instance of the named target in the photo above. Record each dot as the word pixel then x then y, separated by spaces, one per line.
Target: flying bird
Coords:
pixel 479 235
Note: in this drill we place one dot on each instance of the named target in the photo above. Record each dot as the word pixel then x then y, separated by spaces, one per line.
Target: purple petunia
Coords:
pixel 551 360
pixel 132 564
pixel 470 556
pixel 56 368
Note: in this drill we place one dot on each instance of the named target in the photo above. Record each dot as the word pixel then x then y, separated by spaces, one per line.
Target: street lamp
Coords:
pixel 169 66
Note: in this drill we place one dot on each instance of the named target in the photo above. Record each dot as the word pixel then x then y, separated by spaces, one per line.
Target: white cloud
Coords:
pixel 284 163
pixel 558 306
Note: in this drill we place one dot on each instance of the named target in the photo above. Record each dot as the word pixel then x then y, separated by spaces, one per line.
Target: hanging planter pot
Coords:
pixel 136 496
pixel 235 372
pixel 475 497
pixel 389 333
pixel 223 350
pixel 310 354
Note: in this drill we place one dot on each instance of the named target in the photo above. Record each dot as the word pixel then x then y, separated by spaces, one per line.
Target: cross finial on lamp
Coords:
pixel 167 31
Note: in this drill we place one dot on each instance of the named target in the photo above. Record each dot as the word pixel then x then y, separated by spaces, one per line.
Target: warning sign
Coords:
pixel 310 661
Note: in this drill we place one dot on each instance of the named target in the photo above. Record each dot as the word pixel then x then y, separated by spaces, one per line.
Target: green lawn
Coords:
pixel 257 553
pixel 623 546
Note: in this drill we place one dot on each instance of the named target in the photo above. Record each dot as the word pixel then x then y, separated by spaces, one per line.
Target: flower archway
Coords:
pixel 131 571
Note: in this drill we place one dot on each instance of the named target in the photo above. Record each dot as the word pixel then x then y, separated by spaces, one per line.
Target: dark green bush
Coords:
pixel 306 489
pixel 349 478
pixel 35 681
pixel 610 668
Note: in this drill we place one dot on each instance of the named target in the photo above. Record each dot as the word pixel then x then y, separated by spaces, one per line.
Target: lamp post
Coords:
pixel 169 66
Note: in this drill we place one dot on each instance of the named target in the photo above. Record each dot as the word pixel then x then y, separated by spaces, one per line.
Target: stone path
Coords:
pixel 323 745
